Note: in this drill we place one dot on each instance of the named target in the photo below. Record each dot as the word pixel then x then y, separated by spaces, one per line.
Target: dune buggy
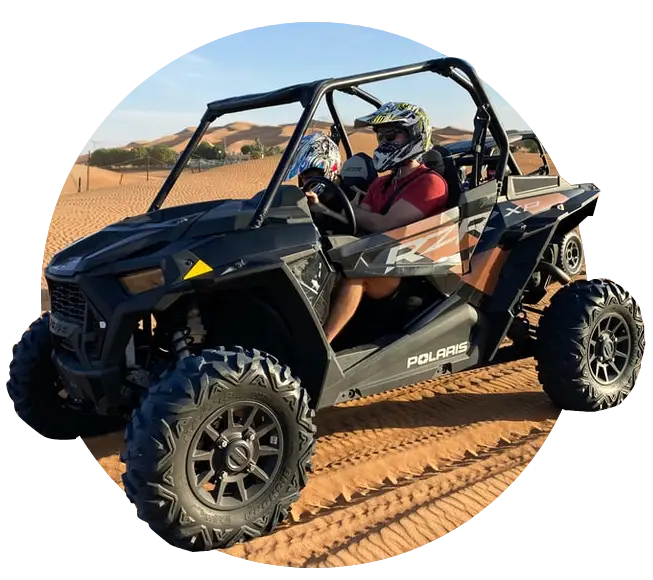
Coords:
pixel 199 327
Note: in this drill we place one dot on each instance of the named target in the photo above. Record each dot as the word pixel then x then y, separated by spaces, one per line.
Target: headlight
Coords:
pixel 142 281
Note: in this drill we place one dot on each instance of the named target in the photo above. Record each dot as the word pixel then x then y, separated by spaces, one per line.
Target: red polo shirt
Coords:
pixel 426 191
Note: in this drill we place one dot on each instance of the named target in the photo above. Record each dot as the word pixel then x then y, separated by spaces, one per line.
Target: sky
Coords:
pixel 271 57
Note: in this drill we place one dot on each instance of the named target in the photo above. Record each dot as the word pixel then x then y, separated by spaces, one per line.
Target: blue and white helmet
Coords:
pixel 316 151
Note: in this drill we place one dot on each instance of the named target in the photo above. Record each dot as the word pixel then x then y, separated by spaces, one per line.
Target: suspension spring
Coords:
pixel 181 340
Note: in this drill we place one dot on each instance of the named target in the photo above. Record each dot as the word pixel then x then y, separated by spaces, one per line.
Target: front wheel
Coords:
pixel 40 399
pixel 590 343
pixel 219 449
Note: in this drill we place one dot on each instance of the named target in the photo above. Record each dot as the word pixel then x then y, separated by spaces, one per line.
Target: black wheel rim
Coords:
pixel 572 255
pixel 609 349
pixel 235 455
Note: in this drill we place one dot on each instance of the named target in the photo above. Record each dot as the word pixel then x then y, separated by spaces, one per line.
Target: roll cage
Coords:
pixel 309 96
pixel 491 156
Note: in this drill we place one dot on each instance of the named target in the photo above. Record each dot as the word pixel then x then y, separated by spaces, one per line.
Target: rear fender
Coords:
pixel 574 217
pixel 522 256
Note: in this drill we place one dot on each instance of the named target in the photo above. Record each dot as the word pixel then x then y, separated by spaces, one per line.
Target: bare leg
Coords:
pixel 349 297
pixel 344 306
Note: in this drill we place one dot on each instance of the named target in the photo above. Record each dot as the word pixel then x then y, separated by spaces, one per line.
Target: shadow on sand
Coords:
pixel 442 410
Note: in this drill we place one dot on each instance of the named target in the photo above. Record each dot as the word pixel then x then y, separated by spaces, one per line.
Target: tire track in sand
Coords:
pixel 349 434
pixel 399 515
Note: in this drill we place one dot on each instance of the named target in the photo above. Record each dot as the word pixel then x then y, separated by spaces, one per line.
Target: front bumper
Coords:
pixel 100 387
pixel 78 336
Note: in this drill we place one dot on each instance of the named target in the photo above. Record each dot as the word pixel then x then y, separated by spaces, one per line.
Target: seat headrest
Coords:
pixel 433 159
pixel 358 171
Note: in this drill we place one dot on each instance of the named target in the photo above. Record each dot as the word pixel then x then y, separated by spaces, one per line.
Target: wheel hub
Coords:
pixel 607 347
pixel 238 455
pixel 572 254
pixel 234 455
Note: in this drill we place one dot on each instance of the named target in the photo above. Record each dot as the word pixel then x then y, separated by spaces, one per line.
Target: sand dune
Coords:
pixel 235 135
pixel 453 132
pixel 393 471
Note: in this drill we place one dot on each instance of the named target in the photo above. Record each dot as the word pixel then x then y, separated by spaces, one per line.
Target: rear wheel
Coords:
pixel 39 397
pixel 570 253
pixel 220 449
pixel 590 343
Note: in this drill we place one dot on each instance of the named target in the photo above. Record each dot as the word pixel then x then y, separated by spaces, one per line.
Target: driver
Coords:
pixel 409 193
pixel 317 156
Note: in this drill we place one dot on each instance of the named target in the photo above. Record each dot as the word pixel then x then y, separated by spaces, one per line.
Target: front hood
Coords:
pixel 145 233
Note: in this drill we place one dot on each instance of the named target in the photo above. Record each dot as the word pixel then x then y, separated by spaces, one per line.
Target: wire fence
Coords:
pixel 152 168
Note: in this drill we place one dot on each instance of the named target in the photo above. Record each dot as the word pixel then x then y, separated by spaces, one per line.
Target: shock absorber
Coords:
pixel 181 340
pixel 192 333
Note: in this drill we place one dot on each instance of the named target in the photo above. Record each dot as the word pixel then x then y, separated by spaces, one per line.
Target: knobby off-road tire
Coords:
pixel 183 438
pixel 590 343
pixel 570 253
pixel 34 388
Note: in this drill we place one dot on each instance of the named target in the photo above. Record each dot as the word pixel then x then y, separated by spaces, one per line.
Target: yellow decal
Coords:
pixel 198 269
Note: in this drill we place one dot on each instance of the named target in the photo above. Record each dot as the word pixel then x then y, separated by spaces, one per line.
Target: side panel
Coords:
pixel 424 248
pixel 437 246
pixel 419 355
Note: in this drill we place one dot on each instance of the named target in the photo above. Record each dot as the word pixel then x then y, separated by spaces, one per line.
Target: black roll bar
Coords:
pixel 310 94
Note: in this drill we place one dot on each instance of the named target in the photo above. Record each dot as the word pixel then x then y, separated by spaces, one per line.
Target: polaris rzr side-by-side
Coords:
pixel 199 328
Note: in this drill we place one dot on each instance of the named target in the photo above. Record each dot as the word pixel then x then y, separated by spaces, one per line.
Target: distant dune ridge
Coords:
pixel 235 135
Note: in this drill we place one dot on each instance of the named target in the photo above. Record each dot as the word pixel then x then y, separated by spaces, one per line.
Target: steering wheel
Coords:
pixel 349 219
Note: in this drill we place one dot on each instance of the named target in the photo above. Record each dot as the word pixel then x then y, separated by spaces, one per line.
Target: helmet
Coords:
pixel 316 151
pixel 410 118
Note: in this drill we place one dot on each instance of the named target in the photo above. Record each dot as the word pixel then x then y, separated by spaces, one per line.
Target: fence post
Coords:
pixel 88 170
pixel 79 186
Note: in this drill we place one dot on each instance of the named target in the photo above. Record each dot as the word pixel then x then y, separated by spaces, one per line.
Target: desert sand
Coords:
pixel 393 471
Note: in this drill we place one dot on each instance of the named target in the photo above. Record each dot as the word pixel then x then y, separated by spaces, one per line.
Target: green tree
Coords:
pixel 206 150
pixel 139 156
pixel 162 154
pixel 109 157
pixel 258 149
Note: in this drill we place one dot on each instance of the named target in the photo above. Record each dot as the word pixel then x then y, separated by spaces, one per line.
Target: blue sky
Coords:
pixel 271 57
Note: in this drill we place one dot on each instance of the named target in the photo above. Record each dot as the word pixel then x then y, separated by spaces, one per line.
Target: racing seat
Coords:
pixel 357 171
pixel 440 159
